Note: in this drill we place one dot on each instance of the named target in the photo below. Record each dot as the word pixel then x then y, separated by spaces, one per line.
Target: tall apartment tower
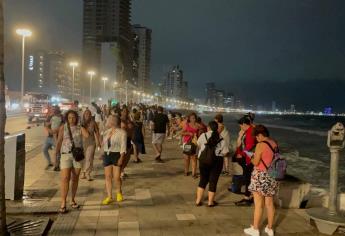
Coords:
pixel 211 94
pixel 37 72
pixel 174 85
pixel 108 21
pixel 48 72
pixel 141 56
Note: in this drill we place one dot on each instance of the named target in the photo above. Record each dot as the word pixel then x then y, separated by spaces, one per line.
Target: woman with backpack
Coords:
pixel 262 185
pixel 212 149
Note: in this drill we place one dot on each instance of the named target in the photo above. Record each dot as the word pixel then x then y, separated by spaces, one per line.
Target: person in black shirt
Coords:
pixel 160 127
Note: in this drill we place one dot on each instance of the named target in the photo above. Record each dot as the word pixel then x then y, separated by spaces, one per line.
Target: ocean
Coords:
pixel 302 141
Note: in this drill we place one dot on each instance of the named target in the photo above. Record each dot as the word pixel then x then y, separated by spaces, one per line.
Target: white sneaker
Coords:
pixel 251 231
pixel 268 231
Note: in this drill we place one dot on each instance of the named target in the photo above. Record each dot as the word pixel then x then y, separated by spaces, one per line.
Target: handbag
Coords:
pixel 189 148
pixel 77 152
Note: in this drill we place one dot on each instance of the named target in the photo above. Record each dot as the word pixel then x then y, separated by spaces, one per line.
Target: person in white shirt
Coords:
pixel 209 173
pixel 114 146
pixel 225 134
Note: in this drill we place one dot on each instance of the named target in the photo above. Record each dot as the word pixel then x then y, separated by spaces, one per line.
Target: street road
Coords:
pixel 34 135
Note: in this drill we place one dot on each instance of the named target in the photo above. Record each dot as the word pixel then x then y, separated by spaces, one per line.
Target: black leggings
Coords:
pixel 210 174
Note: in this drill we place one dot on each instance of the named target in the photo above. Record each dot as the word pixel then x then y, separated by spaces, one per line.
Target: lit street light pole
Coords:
pixel 24 33
pixel 105 79
pixel 73 64
pixel 91 74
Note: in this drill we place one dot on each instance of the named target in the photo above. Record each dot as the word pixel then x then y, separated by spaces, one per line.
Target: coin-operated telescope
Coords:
pixel 336 136
pixel 329 219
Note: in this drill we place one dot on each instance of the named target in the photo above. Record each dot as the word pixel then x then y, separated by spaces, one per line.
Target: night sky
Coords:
pixel 233 43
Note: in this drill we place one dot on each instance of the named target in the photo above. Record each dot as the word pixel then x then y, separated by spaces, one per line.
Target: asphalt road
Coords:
pixel 34 136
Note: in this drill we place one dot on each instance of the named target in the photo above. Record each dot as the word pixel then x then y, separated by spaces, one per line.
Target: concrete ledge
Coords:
pixel 319 198
pixel 292 192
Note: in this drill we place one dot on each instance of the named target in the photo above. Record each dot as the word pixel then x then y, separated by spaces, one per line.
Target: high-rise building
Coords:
pixel 219 97
pixel 48 72
pixel 108 21
pixel 229 100
pixel 37 72
pixel 211 94
pixel 184 93
pixel 60 83
pixel 141 56
pixel 292 108
pixel 173 85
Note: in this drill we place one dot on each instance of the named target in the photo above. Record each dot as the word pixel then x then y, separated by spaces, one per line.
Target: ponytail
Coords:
pixel 213 140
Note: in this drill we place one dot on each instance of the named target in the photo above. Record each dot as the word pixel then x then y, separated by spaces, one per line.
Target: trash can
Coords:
pixel 14 166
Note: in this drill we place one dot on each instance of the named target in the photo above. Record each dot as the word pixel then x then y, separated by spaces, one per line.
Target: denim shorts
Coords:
pixel 111 159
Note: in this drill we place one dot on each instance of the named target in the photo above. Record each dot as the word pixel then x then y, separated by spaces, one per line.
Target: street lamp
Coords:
pixel 24 33
pixel 91 73
pixel 105 79
pixel 73 64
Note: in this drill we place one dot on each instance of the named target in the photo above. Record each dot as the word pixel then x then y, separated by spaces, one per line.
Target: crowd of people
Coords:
pixel 119 132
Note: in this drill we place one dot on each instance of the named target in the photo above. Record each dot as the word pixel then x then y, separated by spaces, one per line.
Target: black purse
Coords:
pixel 189 148
pixel 77 152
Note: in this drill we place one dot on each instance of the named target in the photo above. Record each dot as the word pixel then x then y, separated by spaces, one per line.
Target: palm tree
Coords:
pixel 3 227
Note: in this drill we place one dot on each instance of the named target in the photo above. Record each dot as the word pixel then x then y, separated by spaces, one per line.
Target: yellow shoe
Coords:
pixel 107 201
pixel 119 197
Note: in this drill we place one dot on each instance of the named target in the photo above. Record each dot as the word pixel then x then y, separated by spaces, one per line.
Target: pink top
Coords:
pixel 266 156
pixel 188 128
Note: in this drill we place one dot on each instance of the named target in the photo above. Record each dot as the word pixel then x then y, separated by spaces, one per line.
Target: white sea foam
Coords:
pixel 295 157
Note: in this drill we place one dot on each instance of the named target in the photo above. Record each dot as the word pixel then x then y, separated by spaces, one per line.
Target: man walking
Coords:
pixel 160 127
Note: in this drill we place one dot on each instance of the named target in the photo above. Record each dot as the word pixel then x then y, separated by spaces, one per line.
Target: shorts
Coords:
pixel 158 138
pixel 111 159
pixel 67 161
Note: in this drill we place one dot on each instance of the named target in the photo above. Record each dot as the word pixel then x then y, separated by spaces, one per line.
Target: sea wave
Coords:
pixel 299 130
pixel 312 170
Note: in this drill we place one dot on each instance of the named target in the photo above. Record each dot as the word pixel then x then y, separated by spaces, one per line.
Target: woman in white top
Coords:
pixel 114 146
pixel 209 173
pixel 70 168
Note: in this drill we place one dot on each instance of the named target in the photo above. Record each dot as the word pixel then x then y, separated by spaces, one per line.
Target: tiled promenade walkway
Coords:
pixel 159 200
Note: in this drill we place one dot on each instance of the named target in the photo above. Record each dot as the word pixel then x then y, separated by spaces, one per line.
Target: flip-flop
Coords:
pixel 213 204
pixel 62 210
pixel 75 205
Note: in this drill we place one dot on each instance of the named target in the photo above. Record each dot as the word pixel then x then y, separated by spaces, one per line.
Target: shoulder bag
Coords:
pixel 77 152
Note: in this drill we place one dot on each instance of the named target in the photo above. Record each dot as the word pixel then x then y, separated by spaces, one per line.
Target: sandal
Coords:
pixel 213 204
pixel 75 205
pixel 195 176
pixel 198 204
pixel 62 210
